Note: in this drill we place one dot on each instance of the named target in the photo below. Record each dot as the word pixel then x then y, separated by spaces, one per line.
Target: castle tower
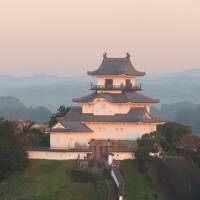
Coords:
pixel 116 109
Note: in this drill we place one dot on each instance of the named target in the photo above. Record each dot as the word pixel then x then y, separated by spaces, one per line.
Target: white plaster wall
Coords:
pixel 114 178
pixel 120 130
pixel 50 155
pixel 123 155
pixel 67 140
pixel 101 106
pixel 117 80
pixel 88 108
pixel 110 91
pixel 58 125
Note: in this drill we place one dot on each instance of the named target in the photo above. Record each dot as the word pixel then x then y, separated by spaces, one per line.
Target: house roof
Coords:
pixel 134 115
pixel 116 66
pixel 125 97
pixel 71 126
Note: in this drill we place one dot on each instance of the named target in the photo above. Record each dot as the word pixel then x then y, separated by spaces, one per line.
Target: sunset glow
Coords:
pixel 66 37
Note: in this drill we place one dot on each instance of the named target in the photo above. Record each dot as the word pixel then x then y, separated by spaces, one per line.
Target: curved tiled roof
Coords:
pixel 116 66
pixel 71 126
pixel 134 115
pixel 125 97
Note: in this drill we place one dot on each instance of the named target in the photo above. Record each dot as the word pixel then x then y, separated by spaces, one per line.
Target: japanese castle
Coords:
pixel 115 109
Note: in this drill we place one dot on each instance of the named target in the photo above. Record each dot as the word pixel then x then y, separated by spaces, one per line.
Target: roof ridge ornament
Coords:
pixel 128 55
pixel 105 55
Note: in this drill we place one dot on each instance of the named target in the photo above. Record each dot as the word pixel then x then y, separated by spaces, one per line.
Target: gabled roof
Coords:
pixel 134 115
pixel 71 126
pixel 125 97
pixel 116 66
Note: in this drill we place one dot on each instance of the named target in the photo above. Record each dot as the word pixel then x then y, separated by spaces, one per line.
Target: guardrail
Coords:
pixel 116 87
pixel 119 180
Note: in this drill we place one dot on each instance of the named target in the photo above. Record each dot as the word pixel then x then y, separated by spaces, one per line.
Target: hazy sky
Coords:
pixel 67 37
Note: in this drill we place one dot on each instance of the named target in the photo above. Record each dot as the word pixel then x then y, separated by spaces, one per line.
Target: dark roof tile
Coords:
pixel 125 97
pixel 116 66
pixel 134 115
pixel 71 126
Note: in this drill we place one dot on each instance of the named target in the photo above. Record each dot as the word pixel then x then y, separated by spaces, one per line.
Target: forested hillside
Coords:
pixel 13 109
pixel 183 112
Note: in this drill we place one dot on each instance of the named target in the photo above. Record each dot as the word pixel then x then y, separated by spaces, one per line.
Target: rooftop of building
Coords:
pixel 116 66
pixel 134 115
pixel 125 97
pixel 71 126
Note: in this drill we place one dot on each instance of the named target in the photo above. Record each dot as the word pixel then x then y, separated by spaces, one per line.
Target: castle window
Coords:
pixel 109 83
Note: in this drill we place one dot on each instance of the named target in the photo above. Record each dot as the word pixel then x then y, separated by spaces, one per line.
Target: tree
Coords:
pixel 146 144
pixel 12 155
pixel 166 138
pixel 169 134
pixel 61 111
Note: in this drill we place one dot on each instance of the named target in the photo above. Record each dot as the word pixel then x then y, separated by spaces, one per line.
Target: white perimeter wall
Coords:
pixel 114 177
pixel 50 155
pixel 123 155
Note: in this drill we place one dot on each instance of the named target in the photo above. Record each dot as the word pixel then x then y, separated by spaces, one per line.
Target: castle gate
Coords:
pixel 100 149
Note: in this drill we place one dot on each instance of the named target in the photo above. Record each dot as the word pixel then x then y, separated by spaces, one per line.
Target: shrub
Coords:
pixel 82 176
pixel 12 155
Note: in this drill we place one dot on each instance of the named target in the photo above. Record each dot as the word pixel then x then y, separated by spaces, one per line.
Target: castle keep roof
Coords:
pixel 134 115
pixel 116 66
pixel 125 97
pixel 74 120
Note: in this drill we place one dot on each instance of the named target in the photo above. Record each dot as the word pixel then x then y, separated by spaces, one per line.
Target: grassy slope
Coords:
pixel 137 185
pixel 46 180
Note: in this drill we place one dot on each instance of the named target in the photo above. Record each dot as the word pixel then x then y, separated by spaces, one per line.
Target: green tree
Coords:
pixel 169 134
pixel 146 144
pixel 12 155
pixel 61 111
pixel 166 138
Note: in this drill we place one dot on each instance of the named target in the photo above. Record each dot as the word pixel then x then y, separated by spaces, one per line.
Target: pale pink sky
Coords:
pixel 67 37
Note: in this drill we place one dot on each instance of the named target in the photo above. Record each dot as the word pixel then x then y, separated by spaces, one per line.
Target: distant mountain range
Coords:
pixel 12 109
pixel 52 91
pixel 182 112
pixel 174 87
